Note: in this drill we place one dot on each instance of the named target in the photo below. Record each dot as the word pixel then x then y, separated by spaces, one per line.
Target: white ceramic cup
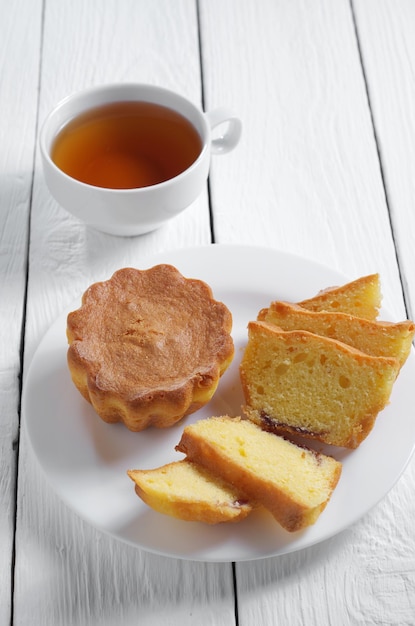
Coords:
pixel 134 211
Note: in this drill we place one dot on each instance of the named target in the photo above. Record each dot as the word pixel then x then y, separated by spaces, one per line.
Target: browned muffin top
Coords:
pixel 147 332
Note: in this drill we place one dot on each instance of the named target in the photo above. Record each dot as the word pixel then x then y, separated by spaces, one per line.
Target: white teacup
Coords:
pixel 137 210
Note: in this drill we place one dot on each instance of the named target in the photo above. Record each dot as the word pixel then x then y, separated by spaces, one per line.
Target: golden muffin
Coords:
pixel 148 347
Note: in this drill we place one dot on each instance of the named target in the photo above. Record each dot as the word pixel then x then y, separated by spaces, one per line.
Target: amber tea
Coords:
pixel 125 145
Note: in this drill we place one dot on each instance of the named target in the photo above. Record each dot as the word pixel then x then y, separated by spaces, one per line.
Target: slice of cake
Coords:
pixel 373 337
pixel 190 492
pixel 361 297
pixel 299 382
pixel 148 347
pixel 293 483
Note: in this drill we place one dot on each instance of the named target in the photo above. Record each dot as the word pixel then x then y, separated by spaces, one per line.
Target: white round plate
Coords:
pixel 86 459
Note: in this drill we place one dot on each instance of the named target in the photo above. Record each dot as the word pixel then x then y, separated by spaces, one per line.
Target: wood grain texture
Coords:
pixel 306 177
pixel 352 581
pixel 386 31
pixel 66 572
pixel 19 28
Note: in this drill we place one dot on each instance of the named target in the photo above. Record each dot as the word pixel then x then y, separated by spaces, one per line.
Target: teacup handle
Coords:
pixel 230 138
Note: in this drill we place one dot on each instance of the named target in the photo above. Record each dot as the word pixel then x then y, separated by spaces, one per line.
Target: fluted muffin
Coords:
pixel 148 347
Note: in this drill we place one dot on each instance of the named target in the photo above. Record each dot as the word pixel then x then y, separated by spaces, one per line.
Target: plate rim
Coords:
pixel 148 261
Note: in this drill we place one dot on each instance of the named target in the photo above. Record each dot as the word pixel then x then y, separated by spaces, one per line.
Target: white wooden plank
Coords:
pixel 386 31
pixel 306 177
pixel 359 577
pixel 66 572
pixel 19 30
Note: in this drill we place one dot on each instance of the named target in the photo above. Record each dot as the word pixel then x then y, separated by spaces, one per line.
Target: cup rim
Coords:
pixel 115 87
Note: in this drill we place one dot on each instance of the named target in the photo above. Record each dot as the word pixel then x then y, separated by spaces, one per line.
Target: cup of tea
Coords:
pixel 126 158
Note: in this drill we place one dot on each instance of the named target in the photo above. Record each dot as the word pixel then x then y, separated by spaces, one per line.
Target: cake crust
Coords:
pixel 377 338
pixel 148 347
pixel 361 297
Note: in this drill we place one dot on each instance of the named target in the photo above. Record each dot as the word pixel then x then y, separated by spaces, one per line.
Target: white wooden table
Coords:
pixel 325 169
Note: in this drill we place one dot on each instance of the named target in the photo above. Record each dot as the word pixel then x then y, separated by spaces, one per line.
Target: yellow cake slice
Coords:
pixel 373 337
pixel 293 483
pixel 190 492
pixel 361 297
pixel 299 382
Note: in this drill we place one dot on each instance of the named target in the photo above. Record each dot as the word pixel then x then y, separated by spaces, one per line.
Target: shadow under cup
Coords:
pixel 134 211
